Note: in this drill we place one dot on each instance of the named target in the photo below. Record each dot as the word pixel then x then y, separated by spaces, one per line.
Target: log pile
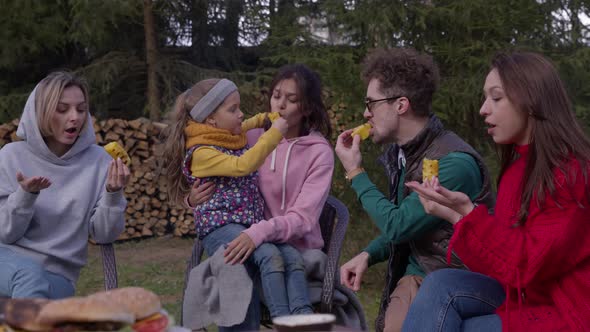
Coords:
pixel 8 132
pixel 148 211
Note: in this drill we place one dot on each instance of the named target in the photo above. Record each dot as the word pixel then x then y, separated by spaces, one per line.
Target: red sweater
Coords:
pixel 547 260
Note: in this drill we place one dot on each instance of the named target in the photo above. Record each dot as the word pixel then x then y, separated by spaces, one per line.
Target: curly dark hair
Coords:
pixel 404 71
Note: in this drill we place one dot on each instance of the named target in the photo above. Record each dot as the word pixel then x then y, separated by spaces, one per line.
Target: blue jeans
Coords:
pixel 281 276
pixel 22 277
pixel 456 300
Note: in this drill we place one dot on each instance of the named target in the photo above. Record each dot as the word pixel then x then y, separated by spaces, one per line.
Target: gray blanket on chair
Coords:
pixel 345 304
pixel 218 293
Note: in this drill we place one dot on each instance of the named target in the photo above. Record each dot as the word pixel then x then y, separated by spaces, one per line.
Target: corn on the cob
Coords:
pixel 116 151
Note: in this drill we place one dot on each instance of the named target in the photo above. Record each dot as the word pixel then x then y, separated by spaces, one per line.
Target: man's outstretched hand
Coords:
pixel 351 273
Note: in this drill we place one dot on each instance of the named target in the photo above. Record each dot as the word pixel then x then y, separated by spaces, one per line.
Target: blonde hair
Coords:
pixel 48 94
pixel 177 185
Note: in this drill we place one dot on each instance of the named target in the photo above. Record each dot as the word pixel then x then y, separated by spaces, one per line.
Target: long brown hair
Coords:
pixel 532 84
pixel 309 91
pixel 174 147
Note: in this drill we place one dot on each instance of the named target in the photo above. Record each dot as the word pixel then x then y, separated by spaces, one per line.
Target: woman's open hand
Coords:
pixel 118 175
pixel 441 202
pixel 239 249
pixel 33 184
pixel 439 210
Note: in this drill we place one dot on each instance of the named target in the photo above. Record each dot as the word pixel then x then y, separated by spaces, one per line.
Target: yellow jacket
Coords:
pixel 208 161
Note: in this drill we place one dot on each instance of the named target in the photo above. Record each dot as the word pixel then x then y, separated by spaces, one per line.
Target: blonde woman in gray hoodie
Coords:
pixel 57 189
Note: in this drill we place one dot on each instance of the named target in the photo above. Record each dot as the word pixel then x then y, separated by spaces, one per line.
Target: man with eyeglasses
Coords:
pixel 398 105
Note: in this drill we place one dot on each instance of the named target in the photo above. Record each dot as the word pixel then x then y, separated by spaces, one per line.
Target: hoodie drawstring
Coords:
pixel 273 161
pixel 285 173
pixel 273 164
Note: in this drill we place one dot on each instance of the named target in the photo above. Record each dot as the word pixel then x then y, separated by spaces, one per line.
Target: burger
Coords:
pixel 142 303
pixel 125 309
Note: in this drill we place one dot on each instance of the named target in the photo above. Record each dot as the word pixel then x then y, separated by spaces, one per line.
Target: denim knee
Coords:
pixel 292 258
pixel 269 258
pixel 221 236
pixel 30 271
pixel 30 280
pixel 451 282
pixel 438 278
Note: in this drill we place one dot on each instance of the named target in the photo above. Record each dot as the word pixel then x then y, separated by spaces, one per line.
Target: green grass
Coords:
pixel 158 264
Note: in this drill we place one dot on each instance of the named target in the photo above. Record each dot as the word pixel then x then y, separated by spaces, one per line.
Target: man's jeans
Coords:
pixel 456 300
pixel 22 277
pixel 281 272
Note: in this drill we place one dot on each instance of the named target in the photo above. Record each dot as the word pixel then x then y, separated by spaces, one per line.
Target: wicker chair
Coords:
pixel 333 224
pixel 109 266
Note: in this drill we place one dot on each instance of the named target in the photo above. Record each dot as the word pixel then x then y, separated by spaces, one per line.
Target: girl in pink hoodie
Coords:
pixel 295 179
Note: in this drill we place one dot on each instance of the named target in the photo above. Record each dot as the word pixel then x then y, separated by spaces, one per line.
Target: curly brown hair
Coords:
pixel 406 72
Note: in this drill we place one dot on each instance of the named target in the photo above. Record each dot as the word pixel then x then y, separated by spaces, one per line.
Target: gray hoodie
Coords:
pixel 53 227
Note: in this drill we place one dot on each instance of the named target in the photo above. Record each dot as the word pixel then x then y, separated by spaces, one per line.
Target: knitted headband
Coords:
pixel 212 99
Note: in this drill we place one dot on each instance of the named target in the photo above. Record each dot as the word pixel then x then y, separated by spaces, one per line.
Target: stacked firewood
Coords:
pixel 8 132
pixel 148 211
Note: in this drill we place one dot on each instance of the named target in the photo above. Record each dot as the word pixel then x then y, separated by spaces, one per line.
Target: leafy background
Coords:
pixel 137 55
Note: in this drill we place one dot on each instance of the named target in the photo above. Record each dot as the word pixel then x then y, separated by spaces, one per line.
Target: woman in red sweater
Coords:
pixel 530 259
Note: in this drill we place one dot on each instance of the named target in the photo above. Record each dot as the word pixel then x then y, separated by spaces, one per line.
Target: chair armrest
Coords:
pixel 334 249
pixel 109 265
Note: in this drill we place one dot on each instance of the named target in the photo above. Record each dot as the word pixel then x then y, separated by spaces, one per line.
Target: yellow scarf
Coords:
pixel 202 134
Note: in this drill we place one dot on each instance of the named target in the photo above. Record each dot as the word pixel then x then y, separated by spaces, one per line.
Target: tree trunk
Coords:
pixel 576 30
pixel 282 15
pixel 199 31
pixel 153 94
pixel 272 16
pixel 231 32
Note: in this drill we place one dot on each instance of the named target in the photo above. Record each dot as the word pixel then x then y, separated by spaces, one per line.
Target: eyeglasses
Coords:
pixel 369 102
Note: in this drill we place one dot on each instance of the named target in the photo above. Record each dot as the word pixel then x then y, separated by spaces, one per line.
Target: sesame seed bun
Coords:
pixel 83 310
pixel 139 301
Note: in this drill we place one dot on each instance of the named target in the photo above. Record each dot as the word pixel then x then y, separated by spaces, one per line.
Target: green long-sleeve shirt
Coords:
pixel 407 220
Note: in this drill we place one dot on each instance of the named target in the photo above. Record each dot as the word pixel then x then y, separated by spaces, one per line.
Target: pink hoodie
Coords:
pixel 295 181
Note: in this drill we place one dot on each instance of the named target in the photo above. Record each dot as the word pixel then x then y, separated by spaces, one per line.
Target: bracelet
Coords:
pixel 350 175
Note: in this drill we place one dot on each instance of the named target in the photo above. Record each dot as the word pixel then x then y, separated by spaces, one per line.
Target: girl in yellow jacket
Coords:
pixel 207 141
